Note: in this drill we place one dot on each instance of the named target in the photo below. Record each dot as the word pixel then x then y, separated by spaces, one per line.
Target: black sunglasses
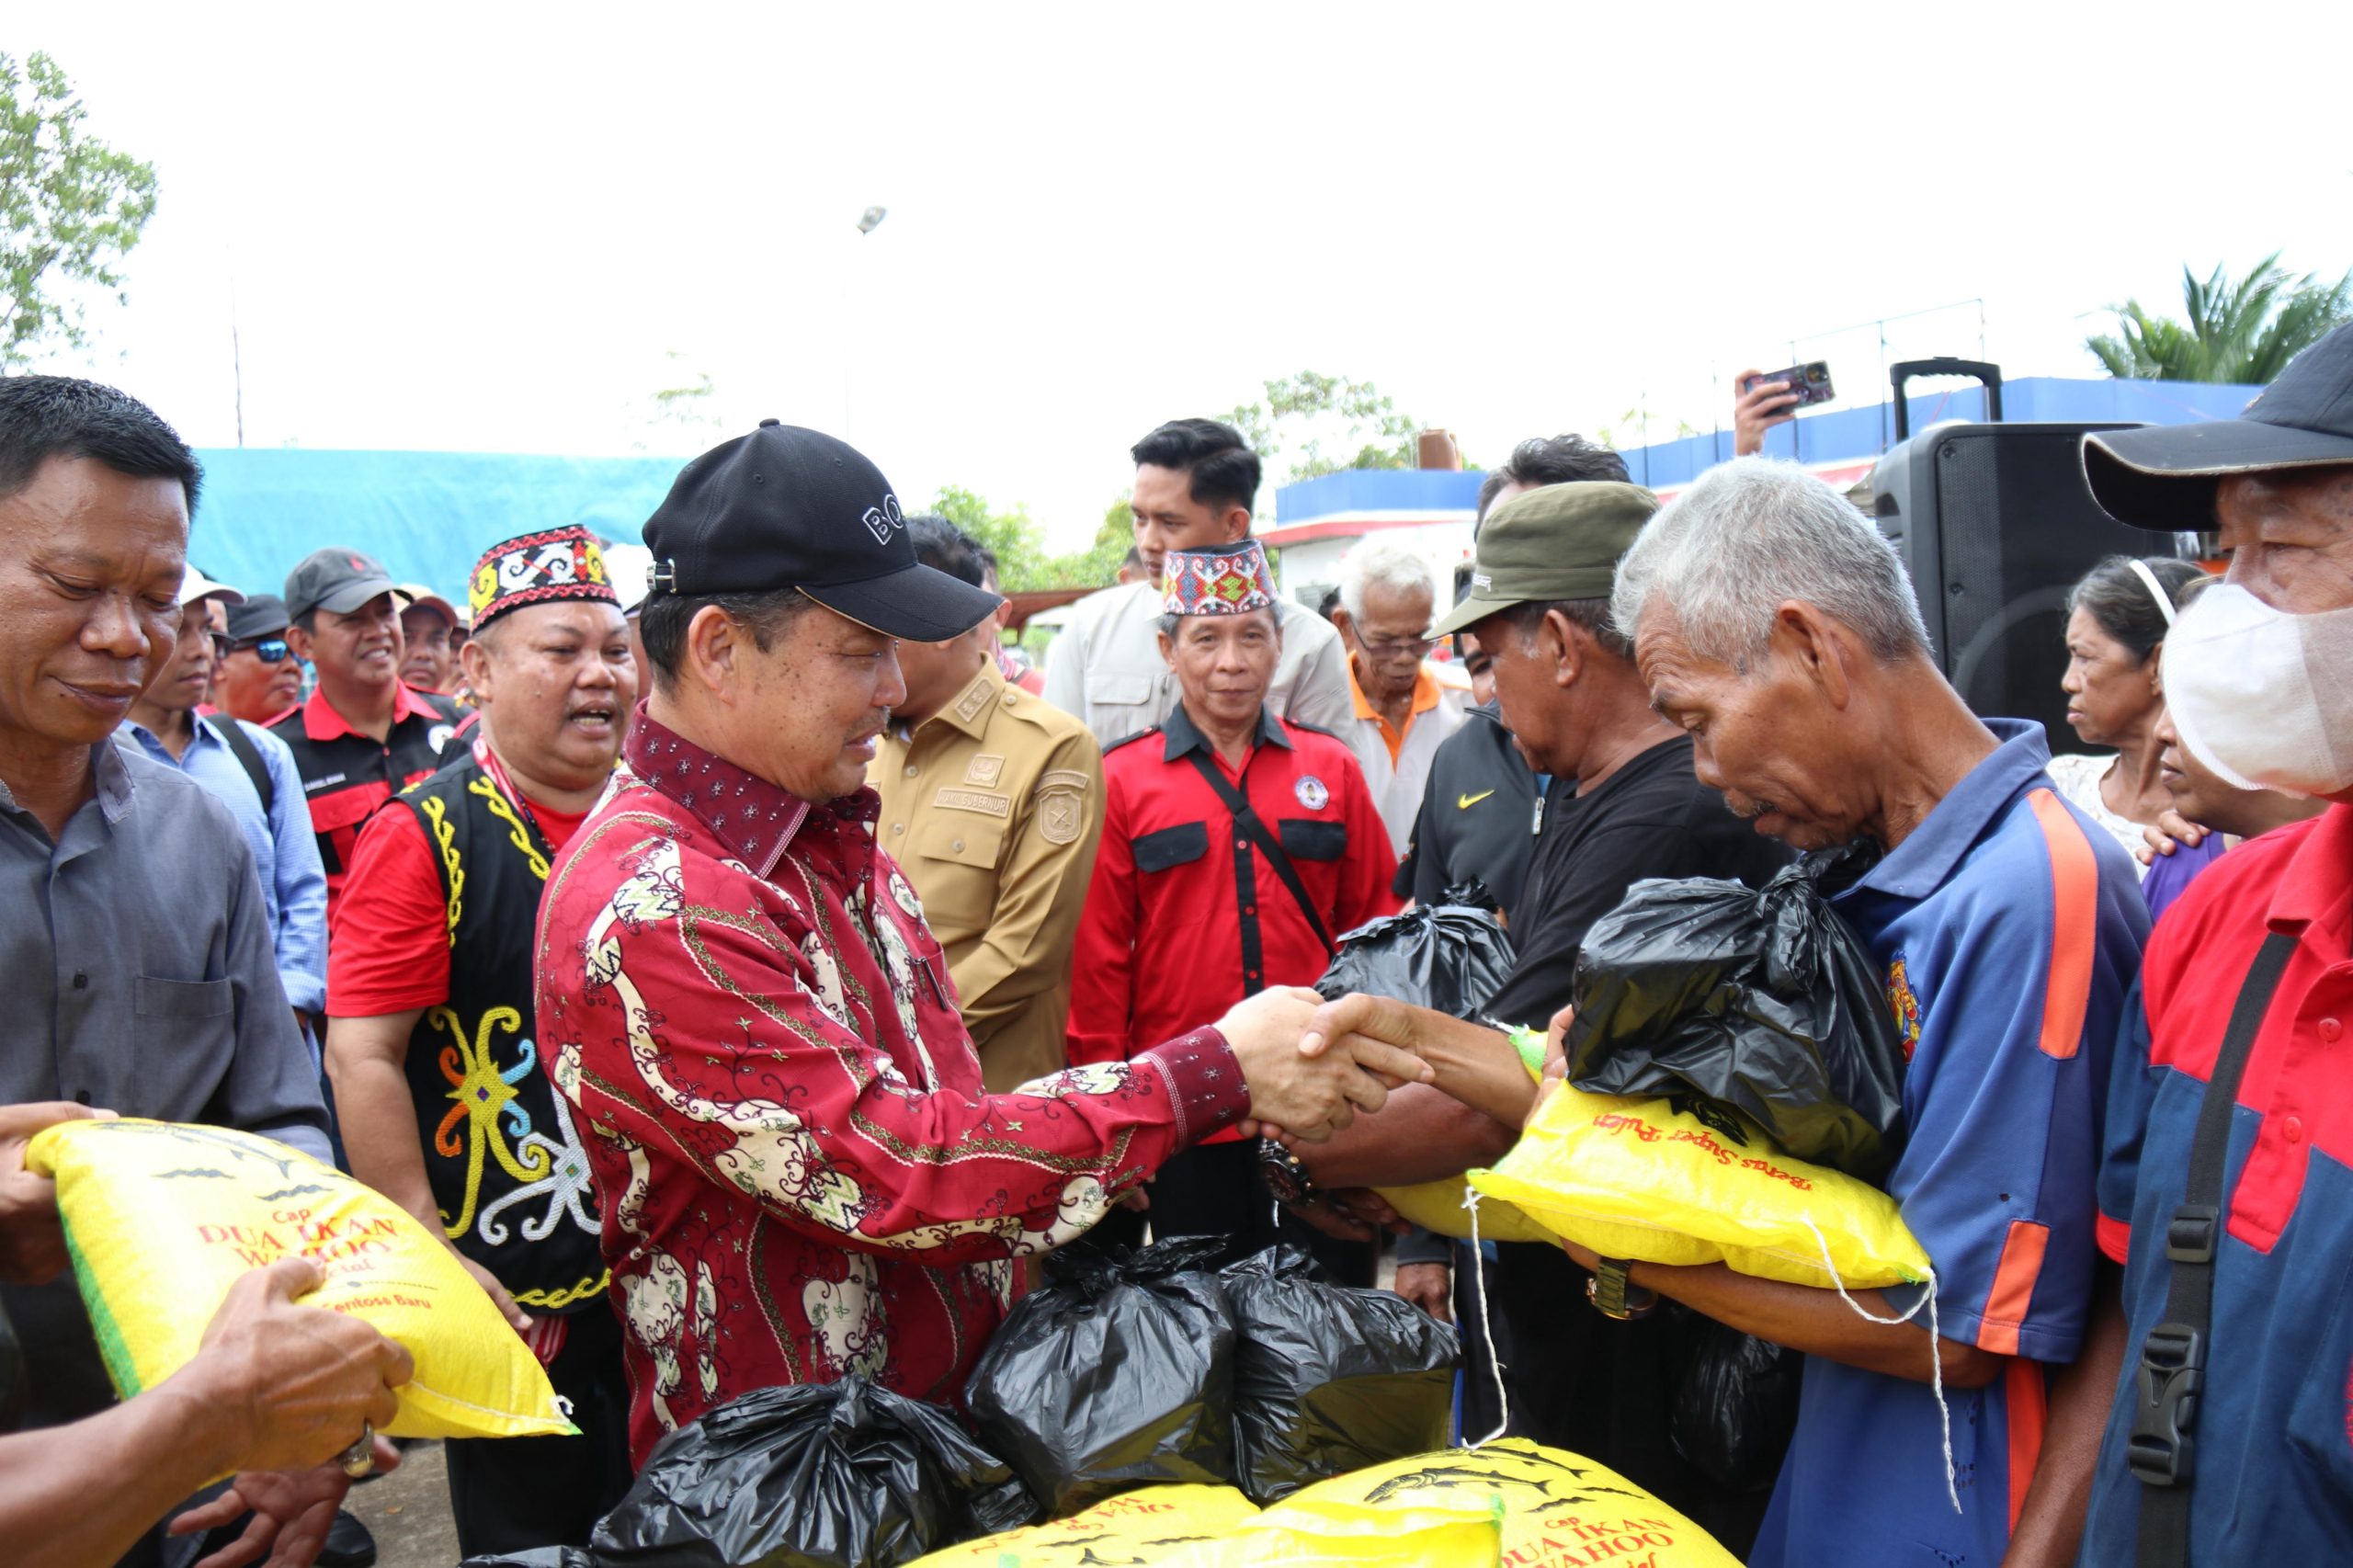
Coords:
pixel 268 650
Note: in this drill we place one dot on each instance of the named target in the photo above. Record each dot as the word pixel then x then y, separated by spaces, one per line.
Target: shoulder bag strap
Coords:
pixel 1246 821
pixel 2173 1358
pixel 232 735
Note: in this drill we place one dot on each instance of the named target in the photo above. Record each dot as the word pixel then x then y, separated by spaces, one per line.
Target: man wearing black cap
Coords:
pixel 802 1176
pixel 2227 1188
pixel 431 1035
pixel 260 677
pixel 363 735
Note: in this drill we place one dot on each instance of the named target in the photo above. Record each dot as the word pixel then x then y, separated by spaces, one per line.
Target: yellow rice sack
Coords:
pixel 1438 1206
pixel 1559 1510
pixel 1635 1178
pixel 162 1218
pixel 1139 1526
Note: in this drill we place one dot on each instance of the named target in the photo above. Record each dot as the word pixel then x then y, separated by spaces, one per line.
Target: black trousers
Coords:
pixel 513 1494
pixel 1213 1190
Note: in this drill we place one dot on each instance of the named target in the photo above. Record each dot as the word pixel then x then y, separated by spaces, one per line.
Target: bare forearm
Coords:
pixel 1818 1323
pixel 146 1455
pixel 2051 1525
pixel 1478 1066
pixel 1422 1134
pixel 380 1131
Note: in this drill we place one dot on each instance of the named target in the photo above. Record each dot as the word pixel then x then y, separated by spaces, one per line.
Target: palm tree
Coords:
pixel 2243 332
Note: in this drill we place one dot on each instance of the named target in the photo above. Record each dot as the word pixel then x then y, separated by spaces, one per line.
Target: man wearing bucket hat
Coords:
pixel 2225 1193
pixel 432 1034
pixel 801 1177
pixel 364 736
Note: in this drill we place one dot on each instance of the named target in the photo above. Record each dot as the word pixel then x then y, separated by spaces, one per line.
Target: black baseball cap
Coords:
pixel 785 508
pixel 2163 476
pixel 336 580
pixel 261 615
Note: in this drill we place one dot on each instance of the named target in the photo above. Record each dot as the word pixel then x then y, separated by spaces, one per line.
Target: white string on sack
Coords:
pixel 1936 1344
pixel 1487 1324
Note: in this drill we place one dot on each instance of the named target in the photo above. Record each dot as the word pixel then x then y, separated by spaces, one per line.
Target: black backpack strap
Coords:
pixel 1247 822
pixel 2173 1358
pixel 233 734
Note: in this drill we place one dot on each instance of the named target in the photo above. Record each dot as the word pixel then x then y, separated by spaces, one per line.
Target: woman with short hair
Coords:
pixel 2116 619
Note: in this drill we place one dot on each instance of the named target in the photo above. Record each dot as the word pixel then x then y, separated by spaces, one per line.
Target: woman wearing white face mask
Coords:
pixel 2116 619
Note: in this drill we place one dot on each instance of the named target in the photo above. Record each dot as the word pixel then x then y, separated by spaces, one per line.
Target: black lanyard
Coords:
pixel 1247 824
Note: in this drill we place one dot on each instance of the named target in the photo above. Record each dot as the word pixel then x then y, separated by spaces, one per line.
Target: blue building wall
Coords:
pixel 1851 433
pixel 426 516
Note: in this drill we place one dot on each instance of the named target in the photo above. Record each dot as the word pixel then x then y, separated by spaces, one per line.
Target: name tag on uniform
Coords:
pixel 980 800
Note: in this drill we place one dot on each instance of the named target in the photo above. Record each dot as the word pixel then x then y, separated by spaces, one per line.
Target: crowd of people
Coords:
pixel 752 976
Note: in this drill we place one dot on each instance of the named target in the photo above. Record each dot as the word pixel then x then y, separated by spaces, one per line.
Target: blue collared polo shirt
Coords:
pixel 2272 1469
pixel 2009 928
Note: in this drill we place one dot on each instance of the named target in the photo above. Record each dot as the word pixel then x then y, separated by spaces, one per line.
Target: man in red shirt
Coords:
pixel 432 1042
pixel 1199 898
pixel 802 1176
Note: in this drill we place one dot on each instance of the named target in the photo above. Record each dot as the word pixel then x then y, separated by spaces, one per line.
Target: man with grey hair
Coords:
pixel 1402 714
pixel 1773 623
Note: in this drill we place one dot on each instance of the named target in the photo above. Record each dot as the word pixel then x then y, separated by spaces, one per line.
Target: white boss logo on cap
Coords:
pixel 884 520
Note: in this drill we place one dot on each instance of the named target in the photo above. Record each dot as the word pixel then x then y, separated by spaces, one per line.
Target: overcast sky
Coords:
pixel 497 227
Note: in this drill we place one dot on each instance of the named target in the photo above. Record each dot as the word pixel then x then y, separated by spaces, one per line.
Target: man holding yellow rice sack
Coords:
pixel 1776 625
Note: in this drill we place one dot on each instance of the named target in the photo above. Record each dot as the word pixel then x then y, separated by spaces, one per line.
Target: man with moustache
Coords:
pixel 135 939
pixel 260 678
pixel 364 736
pixel 432 1040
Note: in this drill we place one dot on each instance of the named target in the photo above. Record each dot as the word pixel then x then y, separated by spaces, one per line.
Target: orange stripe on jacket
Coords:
pixel 2029 1406
pixel 2074 883
pixel 2013 1291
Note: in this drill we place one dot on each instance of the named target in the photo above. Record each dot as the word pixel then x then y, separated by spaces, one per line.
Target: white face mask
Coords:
pixel 2262 697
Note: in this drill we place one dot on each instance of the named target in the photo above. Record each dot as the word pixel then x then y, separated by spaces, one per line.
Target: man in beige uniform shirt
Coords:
pixel 992 803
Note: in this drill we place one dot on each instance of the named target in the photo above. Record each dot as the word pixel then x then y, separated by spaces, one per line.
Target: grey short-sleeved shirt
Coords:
pixel 141 979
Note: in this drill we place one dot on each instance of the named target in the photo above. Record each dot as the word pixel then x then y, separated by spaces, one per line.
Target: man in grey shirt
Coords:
pixel 132 931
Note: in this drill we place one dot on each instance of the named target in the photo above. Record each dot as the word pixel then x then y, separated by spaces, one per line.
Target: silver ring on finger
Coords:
pixel 360 1457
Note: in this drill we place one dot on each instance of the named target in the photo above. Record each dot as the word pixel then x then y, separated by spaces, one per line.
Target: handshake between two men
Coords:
pixel 1450 1093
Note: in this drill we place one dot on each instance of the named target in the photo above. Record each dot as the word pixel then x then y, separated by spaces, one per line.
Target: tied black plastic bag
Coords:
pixel 1761 999
pixel 1118 1373
pixel 1451 957
pixel 1735 1407
pixel 1329 1380
pixel 814 1475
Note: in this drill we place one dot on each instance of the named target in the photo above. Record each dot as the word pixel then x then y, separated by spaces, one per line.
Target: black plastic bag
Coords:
pixel 1451 957
pixel 1761 999
pixel 1735 1407
pixel 811 1475
pixel 1328 1380
pixel 1118 1373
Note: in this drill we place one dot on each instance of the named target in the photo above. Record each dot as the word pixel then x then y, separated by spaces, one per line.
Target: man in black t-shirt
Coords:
pixel 1624 805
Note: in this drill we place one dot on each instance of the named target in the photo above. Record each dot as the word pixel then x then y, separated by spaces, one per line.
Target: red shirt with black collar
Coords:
pixel 346 775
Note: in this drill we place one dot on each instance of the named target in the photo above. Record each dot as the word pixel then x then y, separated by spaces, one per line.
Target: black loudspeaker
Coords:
pixel 1995 523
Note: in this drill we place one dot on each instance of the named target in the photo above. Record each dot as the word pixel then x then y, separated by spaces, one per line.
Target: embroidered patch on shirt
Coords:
pixel 1059 818
pixel 985 770
pixel 982 801
pixel 1311 791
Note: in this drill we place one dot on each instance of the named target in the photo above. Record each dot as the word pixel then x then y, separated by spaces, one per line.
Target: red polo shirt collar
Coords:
pixel 752 818
pixel 322 721
pixel 2317 883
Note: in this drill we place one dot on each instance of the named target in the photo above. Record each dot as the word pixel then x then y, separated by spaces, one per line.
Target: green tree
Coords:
pixel 1313 424
pixel 2243 331
pixel 70 208
pixel 1023 561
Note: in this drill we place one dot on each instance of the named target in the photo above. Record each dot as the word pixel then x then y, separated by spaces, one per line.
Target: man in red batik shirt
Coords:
pixel 800 1175
pixel 1236 846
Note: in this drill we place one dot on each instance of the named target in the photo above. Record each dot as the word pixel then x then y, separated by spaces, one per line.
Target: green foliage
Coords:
pixel 2243 330
pixel 1019 544
pixel 1312 424
pixel 70 207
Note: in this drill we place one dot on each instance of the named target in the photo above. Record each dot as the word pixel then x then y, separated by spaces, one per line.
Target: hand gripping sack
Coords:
pixel 1664 1181
pixel 1762 1000
pixel 161 1219
pixel 1451 957
pixel 810 1475
pixel 1118 1373
pixel 1559 1510
pixel 1328 1380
